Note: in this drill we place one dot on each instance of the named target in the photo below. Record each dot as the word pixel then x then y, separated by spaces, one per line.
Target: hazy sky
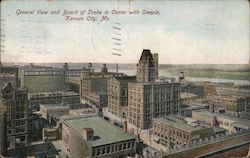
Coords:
pixel 185 32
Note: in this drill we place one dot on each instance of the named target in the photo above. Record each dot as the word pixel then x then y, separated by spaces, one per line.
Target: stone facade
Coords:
pixel 118 95
pixel 16 103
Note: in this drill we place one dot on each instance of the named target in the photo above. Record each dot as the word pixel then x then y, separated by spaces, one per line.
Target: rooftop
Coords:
pixel 54 106
pixel 106 132
pixel 180 124
pixel 50 94
pixel 238 121
pixel 187 95
pixel 126 78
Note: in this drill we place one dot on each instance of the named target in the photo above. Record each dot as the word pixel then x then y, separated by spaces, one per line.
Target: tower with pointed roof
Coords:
pixel 147 67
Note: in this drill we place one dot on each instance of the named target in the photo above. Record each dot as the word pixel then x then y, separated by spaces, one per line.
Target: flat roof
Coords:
pixel 238 121
pixel 187 95
pixel 106 132
pixel 51 94
pixel 180 124
pixel 54 106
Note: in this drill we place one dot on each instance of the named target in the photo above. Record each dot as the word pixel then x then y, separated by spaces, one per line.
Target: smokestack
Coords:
pixel 104 68
pixel 117 69
pixel 182 76
pixel 88 134
pixel 125 127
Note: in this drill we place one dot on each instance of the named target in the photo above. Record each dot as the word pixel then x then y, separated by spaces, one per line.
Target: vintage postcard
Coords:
pixel 125 78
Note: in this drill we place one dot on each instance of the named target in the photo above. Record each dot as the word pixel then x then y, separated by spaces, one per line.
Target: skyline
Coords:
pixel 178 34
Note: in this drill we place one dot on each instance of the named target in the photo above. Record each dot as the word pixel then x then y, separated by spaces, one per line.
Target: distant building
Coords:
pixel 11 73
pixel 70 99
pixel 45 80
pixel 210 88
pixel 95 137
pixel 176 133
pixel 233 91
pixel 74 77
pixel 16 103
pixel 230 104
pixel 118 95
pixel 187 111
pixel 232 125
pixel 83 112
pixel 187 98
pixel 94 86
pixel 7 77
pixel 193 87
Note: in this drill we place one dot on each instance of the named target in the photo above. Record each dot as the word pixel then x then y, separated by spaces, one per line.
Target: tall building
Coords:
pixel 16 103
pixel 94 86
pixel 2 128
pixel 147 67
pixel 152 100
pixel 148 97
pixel 118 95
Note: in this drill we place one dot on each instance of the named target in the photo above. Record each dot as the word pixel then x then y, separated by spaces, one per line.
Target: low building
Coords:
pixel 52 112
pixel 232 125
pixel 95 137
pixel 176 133
pixel 187 110
pixel 50 134
pixel 83 111
pixel 70 99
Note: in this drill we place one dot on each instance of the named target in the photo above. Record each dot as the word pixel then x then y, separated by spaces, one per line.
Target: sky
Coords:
pixel 184 32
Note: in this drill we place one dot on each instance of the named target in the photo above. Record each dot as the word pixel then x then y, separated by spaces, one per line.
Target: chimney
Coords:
pixel 182 76
pixel 88 134
pixel 104 68
pixel 90 67
pixel 125 127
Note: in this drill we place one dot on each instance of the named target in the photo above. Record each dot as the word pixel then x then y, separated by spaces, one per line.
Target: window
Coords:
pixel 98 152
pixel 108 149
pixel 129 145
pixel 124 146
pixel 103 150
pixel 120 146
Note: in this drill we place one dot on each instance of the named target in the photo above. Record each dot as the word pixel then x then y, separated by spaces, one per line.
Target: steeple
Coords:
pixel 147 67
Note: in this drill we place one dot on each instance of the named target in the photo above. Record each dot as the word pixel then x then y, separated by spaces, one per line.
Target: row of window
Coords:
pixel 111 149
